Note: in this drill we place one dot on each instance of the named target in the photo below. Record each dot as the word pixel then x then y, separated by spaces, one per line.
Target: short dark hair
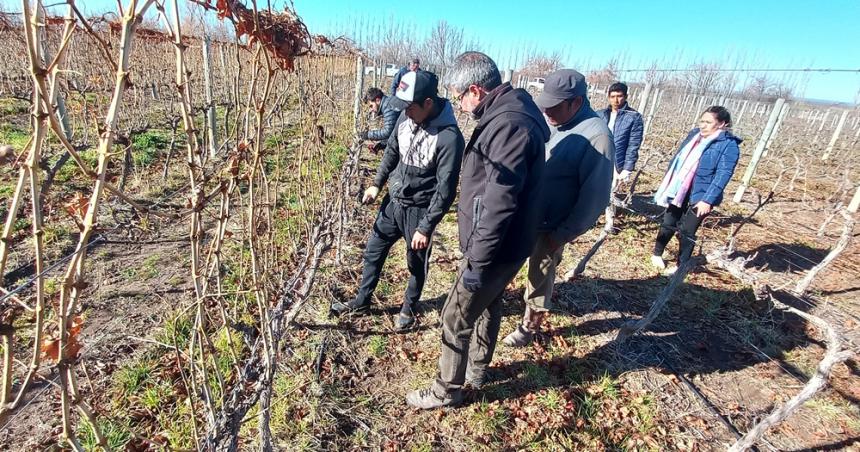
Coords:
pixel 618 87
pixel 373 94
pixel 415 61
pixel 721 113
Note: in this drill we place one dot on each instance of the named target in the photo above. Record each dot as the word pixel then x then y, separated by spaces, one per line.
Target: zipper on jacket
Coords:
pixel 476 212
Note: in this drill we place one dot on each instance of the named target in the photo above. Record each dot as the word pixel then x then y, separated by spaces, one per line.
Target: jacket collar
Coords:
pixel 490 99
pixel 624 107
pixel 585 112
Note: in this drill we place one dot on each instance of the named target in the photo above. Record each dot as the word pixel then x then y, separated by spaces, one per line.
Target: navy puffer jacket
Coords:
pixel 389 119
pixel 716 167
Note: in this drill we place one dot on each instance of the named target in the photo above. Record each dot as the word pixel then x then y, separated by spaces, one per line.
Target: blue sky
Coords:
pixel 759 33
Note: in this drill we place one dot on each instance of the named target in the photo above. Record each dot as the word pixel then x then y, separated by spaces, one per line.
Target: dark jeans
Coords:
pixel 681 220
pixel 394 222
pixel 470 325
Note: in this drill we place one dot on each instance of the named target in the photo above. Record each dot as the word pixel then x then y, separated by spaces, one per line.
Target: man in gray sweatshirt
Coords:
pixel 577 181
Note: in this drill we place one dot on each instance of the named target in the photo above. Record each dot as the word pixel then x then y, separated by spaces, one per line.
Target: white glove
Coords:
pixel 370 195
pixel 624 175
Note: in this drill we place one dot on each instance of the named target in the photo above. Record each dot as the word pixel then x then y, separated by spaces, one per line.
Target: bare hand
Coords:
pixel 702 209
pixel 370 195
pixel 419 241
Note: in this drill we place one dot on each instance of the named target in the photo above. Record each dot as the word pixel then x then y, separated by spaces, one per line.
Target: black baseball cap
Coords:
pixel 415 86
pixel 560 86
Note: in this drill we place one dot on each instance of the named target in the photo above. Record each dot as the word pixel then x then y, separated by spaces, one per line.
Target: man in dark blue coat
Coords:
pixel 414 65
pixel 626 126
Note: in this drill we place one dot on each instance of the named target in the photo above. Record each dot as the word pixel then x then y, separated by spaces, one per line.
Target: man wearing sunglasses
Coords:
pixel 421 165
pixel 497 217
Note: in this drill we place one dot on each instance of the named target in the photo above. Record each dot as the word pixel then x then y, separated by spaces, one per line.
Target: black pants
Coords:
pixel 394 222
pixel 681 220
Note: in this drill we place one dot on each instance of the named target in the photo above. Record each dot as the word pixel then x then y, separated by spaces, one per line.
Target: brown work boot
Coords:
pixel 525 332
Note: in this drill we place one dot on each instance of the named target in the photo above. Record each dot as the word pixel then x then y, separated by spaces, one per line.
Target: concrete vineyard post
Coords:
pixel 835 136
pixel 820 126
pixel 643 102
pixel 759 149
pixel 740 116
pixel 854 205
pixel 657 96
pixel 776 127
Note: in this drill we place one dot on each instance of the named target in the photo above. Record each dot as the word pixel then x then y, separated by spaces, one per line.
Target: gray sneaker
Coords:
pixel 425 399
pixel 519 338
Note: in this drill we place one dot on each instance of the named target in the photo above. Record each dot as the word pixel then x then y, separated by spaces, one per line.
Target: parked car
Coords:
pixel 535 84
pixel 390 70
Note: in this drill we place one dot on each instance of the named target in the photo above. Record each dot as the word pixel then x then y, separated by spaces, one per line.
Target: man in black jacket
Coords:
pixel 497 217
pixel 421 165
pixel 380 105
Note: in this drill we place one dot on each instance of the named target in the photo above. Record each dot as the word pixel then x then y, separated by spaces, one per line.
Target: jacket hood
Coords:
pixel 445 117
pixel 506 99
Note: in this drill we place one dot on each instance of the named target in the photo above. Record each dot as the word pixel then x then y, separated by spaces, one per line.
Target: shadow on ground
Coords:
pixel 700 331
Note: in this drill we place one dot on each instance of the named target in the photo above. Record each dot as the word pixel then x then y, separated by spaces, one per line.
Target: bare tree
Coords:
pixel 443 45
pixel 703 78
pixel 541 64
pixel 608 74
pixel 761 88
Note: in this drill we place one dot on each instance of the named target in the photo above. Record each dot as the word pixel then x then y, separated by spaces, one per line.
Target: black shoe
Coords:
pixel 404 322
pixel 353 306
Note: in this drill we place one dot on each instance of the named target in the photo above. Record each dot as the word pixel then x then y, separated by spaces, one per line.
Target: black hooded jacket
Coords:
pixel 498 211
pixel 422 163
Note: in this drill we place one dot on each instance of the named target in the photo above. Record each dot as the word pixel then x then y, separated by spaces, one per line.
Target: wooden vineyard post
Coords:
pixel 759 149
pixel 212 137
pixel 835 136
pixel 359 85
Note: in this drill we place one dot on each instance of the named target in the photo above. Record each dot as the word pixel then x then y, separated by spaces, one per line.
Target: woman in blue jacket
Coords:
pixel 695 182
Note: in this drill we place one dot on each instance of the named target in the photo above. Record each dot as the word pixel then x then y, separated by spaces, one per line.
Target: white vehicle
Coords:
pixel 535 84
pixel 390 70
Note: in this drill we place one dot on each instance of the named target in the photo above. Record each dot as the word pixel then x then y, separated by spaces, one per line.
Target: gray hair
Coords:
pixel 473 68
